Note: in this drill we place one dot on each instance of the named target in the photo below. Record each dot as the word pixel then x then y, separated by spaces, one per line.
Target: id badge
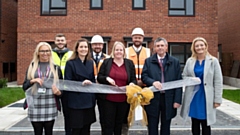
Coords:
pixel 41 90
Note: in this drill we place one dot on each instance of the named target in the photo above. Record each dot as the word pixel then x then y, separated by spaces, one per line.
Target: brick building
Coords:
pixel 229 33
pixel 178 21
pixel 8 39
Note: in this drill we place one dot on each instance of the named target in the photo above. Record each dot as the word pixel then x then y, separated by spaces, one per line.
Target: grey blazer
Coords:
pixel 212 85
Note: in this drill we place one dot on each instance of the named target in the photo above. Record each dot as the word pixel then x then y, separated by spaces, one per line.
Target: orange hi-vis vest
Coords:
pixel 97 67
pixel 138 60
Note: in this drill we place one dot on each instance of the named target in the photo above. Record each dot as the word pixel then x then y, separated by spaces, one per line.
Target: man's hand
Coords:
pixel 176 105
pixel 157 85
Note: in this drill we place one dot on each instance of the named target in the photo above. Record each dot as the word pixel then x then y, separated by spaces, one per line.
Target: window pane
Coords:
pixel 177 4
pixel 96 3
pixel 45 6
pixel 58 11
pixel 189 7
pixel 138 3
pixel 176 12
pixel 58 3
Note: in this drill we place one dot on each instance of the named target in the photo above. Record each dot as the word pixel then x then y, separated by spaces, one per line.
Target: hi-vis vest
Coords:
pixel 97 66
pixel 63 61
pixel 138 60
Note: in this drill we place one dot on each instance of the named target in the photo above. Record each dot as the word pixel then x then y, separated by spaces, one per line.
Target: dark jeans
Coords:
pixel 206 130
pixel 114 116
pixel 153 119
pixel 46 125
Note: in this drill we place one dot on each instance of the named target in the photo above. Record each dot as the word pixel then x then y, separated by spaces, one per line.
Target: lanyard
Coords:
pixel 40 74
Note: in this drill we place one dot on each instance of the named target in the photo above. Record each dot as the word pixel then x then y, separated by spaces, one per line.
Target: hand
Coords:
pixel 216 105
pixel 111 81
pixel 197 79
pixel 157 85
pixel 140 83
pixel 86 82
pixel 37 80
pixel 131 84
pixel 55 90
pixel 176 105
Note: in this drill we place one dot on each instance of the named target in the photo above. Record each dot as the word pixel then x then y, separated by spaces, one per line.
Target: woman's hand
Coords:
pixel 86 82
pixel 111 81
pixel 55 90
pixel 216 105
pixel 37 80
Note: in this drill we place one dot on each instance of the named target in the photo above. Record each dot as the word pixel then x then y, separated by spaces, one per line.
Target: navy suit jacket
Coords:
pixel 172 72
pixel 76 70
pixel 106 67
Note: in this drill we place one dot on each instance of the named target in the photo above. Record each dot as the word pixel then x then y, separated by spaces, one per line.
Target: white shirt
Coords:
pixel 99 55
pixel 137 49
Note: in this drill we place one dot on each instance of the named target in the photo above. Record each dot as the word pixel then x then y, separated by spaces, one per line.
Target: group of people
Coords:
pixel 124 66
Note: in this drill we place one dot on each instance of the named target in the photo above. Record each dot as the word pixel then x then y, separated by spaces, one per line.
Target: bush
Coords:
pixel 3 82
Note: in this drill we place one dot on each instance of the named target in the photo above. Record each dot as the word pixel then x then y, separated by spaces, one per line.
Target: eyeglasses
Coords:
pixel 44 51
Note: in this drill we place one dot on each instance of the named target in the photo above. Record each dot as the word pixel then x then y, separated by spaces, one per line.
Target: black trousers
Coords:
pixel 66 114
pixel 85 130
pixel 46 125
pixel 154 113
pixel 206 130
pixel 100 103
pixel 114 116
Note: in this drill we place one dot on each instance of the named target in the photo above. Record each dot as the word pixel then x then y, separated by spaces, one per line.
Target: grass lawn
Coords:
pixel 10 95
pixel 232 95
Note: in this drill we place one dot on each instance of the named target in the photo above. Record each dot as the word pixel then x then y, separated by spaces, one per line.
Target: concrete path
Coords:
pixel 13 121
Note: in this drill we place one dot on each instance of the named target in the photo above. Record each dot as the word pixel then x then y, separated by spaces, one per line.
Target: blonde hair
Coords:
pixel 75 50
pixel 114 47
pixel 35 62
pixel 194 54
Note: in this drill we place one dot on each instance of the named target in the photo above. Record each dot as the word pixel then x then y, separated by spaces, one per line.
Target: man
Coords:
pixel 137 53
pixel 60 56
pixel 160 68
pixel 98 56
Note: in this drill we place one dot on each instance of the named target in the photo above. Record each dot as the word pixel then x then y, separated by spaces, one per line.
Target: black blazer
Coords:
pixel 106 67
pixel 76 70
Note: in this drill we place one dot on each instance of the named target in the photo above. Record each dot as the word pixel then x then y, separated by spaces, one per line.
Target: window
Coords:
pixel 138 4
pixel 96 4
pixel 182 51
pixel 54 7
pixel 181 7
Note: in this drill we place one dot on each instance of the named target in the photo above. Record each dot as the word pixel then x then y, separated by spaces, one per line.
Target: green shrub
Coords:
pixel 3 82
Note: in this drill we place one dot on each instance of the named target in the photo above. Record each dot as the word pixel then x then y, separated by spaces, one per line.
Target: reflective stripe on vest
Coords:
pixel 63 61
pixel 138 62
pixel 96 69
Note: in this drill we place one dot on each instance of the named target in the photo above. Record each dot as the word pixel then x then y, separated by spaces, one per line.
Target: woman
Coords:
pixel 200 102
pixel 79 67
pixel 116 71
pixel 45 100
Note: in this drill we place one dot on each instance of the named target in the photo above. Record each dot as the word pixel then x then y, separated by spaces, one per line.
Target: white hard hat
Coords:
pixel 137 31
pixel 97 39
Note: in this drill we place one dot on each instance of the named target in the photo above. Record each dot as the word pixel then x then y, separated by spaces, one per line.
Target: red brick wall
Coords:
pixel 8 42
pixel 117 19
pixel 229 28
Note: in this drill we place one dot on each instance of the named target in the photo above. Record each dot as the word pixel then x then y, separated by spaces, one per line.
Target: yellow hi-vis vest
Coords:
pixel 138 60
pixel 97 67
pixel 61 63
